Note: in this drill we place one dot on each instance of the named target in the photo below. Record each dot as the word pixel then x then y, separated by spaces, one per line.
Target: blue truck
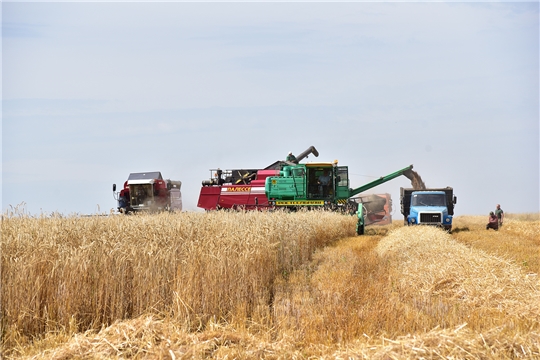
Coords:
pixel 428 206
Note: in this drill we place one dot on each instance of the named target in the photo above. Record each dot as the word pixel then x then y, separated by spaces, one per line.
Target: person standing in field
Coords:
pixel 500 214
pixel 493 222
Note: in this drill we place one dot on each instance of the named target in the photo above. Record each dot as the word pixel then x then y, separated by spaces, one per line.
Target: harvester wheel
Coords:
pixel 360 230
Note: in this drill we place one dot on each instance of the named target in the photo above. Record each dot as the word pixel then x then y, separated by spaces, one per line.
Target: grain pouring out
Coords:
pixel 416 181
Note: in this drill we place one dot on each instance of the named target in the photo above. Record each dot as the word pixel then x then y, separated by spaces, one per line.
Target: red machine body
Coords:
pixel 242 188
pixel 236 193
pixel 378 208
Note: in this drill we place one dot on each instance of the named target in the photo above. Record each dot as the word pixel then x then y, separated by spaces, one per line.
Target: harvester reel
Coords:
pixel 244 178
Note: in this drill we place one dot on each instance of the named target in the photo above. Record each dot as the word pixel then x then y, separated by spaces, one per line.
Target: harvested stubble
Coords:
pixel 518 239
pixel 149 338
pixel 81 273
pixel 452 298
pixel 428 263
pixel 442 279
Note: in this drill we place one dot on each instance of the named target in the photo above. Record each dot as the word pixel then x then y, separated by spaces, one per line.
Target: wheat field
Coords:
pixel 267 285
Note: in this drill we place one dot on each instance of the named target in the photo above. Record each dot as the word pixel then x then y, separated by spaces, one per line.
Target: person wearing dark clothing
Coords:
pixel 291 157
pixel 493 222
pixel 219 178
pixel 324 182
pixel 500 215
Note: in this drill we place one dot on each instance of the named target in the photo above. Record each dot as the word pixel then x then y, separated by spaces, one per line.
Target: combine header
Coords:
pixel 148 192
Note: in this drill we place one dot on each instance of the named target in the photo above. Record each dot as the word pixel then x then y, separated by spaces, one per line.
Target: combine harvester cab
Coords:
pixel 311 185
pixel 242 189
pixel 149 192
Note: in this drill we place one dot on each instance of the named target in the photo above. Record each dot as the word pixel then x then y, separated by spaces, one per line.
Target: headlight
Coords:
pixel 413 220
pixel 447 219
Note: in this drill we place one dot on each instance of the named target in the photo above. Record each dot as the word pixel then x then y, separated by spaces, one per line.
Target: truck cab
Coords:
pixel 428 207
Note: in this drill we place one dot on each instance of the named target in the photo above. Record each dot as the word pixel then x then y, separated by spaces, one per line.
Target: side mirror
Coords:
pixel 113 187
pixel 455 199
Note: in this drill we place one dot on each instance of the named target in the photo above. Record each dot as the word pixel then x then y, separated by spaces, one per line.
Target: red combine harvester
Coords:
pixel 378 208
pixel 148 192
pixel 242 188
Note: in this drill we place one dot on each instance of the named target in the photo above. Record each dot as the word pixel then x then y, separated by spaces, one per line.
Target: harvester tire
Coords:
pixel 360 230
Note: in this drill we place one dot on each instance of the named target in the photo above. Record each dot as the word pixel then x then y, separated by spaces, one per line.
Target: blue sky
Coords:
pixel 94 91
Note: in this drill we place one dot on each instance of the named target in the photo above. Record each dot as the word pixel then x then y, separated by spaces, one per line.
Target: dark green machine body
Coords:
pixel 300 186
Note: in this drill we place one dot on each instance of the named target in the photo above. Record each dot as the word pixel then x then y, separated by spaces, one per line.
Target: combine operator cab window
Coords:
pixel 312 183
pixel 321 182
pixel 141 194
pixel 342 177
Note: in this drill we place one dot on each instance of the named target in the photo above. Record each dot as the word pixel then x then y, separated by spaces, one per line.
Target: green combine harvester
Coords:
pixel 321 185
